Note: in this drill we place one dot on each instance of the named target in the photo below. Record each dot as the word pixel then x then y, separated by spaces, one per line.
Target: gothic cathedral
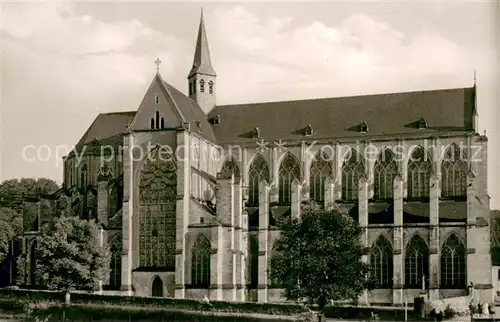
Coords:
pixel 189 192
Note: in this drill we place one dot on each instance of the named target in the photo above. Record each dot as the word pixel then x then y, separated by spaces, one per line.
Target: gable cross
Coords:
pixel 157 62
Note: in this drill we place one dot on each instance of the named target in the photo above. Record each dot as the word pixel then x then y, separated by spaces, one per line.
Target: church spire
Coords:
pixel 202 63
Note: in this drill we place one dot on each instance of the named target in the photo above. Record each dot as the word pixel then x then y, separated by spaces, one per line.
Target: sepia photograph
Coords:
pixel 249 160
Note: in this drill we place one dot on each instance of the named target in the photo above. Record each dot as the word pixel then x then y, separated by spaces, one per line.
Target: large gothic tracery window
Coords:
pixel 453 263
pixel 258 171
pixel 321 168
pixel 352 169
pixel 289 171
pixel 385 171
pixel 419 174
pixel 200 264
pixel 157 224
pixel 416 263
pixel 381 262
pixel 454 173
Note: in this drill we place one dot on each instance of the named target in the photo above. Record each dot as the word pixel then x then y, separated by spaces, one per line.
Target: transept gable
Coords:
pixel 158 109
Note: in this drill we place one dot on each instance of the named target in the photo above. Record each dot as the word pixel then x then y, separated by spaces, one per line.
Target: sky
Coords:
pixel 62 63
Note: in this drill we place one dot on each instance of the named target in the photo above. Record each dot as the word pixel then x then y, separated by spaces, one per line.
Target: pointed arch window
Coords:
pixel 200 264
pixel 352 169
pixel 419 174
pixel 157 99
pixel 211 87
pixel 385 170
pixel 157 120
pixel 416 263
pixel 259 171
pixel 202 86
pixel 162 123
pixel 453 263
pixel 289 170
pixel 115 275
pixel 381 262
pixel 321 168
pixel 454 173
pixel 157 208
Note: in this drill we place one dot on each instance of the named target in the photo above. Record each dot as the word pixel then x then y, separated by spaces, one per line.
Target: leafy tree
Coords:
pixel 69 256
pixel 11 191
pixel 495 228
pixel 10 226
pixel 318 258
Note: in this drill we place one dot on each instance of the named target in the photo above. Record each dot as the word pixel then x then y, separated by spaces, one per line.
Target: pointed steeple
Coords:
pixel 202 63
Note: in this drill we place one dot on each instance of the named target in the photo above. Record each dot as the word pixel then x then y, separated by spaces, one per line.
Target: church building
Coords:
pixel 190 193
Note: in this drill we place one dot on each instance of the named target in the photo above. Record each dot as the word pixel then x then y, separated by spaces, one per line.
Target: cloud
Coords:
pixel 320 59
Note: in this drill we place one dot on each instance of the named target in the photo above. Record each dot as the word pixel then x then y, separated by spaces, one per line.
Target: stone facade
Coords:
pixel 212 232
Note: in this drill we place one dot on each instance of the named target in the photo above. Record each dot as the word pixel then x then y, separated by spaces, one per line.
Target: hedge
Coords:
pixel 87 303
pixel 86 312
pixel 165 303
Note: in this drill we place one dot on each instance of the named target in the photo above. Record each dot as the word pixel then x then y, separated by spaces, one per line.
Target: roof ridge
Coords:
pixel 118 113
pixel 165 86
pixel 349 96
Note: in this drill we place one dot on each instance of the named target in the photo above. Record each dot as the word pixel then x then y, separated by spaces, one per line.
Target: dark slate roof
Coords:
pixel 107 128
pixel 447 110
pixel 192 113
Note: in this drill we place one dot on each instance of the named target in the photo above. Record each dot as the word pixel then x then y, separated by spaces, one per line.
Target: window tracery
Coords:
pixel 157 217
pixel 200 264
pixel 454 170
pixel 381 262
pixel 258 171
pixel 416 263
pixel 385 170
pixel 419 174
pixel 453 263
pixel 289 170
pixel 352 169
pixel 321 169
pixel 115 275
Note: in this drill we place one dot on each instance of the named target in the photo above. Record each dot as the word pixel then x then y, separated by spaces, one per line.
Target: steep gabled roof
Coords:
pixel 193 114
pixel 176 108
pixel 106 127
pixel 447 110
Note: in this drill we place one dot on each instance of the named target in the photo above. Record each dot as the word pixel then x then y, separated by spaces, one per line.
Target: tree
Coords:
pixel 318 258
pixel 495 228
pixel 10 226
pixel 69 256
pixel 12 191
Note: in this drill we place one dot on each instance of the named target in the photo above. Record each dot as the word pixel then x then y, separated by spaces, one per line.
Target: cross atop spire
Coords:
pixel 157 62
pixel 202 64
